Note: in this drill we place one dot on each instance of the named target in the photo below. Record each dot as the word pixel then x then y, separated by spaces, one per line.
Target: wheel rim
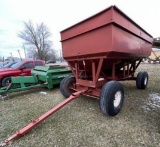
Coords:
pixel 145 81
pixel 7 82
pixel 117 98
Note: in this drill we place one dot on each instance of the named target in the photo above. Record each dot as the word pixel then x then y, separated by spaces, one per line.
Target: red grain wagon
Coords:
pixel 101 50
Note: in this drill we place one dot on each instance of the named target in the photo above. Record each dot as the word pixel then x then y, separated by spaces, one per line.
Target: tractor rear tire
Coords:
pixel 65 85
pixel 6 81
pixel 111 98
pixel 142 80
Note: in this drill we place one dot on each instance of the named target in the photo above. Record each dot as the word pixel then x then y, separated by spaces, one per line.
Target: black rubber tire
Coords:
pixel 107 97
pixel 65 84
pixel 142 80
pixel 6 81
pixel 62 84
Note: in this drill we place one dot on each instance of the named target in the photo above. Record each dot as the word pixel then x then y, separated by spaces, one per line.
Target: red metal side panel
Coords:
pixel 87 25
pixel 120 18
pixel 93 42
pixel 125 42
pixel 105 33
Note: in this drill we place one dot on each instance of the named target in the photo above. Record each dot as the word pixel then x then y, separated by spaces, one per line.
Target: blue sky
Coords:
pixel 60 14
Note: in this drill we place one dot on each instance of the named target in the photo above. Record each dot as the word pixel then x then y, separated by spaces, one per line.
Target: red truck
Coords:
pixel 22 68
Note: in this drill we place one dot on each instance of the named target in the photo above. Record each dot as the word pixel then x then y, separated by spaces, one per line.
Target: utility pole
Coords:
pixel 12 57
pixel 19 55
pixel 24 50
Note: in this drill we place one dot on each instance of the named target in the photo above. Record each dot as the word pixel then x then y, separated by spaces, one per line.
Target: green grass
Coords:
pixel 81 123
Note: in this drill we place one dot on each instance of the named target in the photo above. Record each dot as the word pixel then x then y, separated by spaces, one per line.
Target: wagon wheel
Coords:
pixel 142 80
pixel 111 98
pixel 6 81
pixel 66 85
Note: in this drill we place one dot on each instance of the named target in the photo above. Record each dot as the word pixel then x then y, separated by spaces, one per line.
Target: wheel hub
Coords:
pixel 145 81
pixel 117 98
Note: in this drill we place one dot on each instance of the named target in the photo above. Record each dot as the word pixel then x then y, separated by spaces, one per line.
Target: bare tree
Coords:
pixel 36 40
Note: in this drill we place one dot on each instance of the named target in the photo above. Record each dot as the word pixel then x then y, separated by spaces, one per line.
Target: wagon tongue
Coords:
pixel 35 122
pixel 9 140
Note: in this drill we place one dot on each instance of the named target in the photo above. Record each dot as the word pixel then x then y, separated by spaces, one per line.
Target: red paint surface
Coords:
pixel 108 32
